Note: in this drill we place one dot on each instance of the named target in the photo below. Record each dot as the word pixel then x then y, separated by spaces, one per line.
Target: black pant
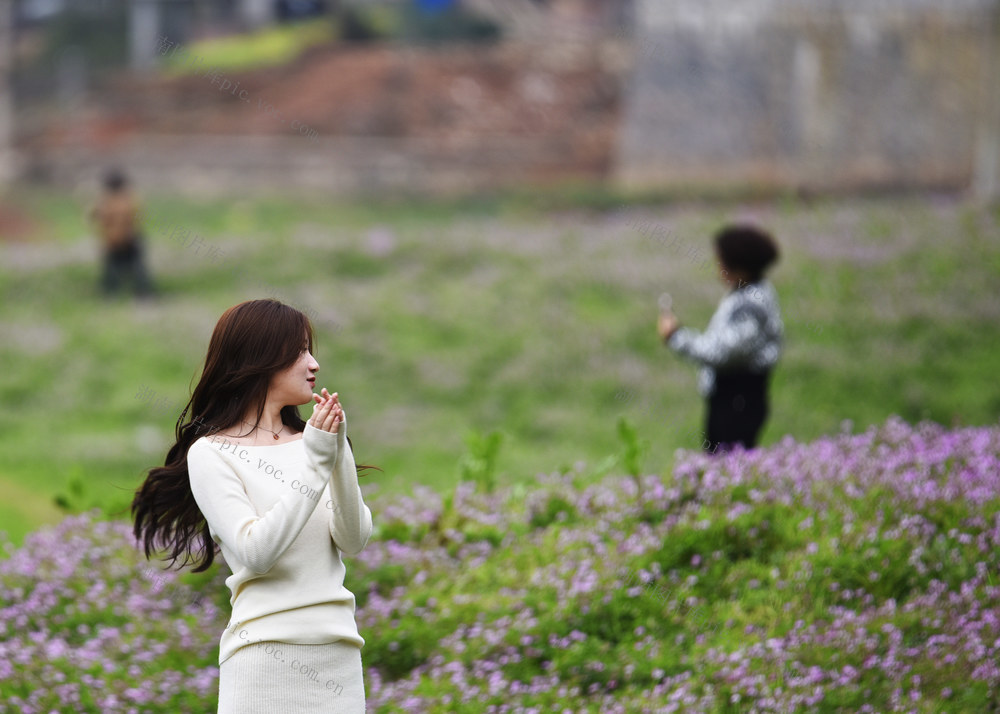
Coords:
pixel 737 409
pixel 123 263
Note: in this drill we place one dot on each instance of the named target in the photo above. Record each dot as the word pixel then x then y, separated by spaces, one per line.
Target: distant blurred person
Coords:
pixel 742 344
pixel 116 217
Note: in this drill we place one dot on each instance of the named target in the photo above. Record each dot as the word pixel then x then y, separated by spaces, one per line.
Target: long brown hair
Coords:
pixel 251 342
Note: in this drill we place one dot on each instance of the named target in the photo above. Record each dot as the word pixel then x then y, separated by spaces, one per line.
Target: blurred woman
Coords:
pixel 741 346
pixel 281 498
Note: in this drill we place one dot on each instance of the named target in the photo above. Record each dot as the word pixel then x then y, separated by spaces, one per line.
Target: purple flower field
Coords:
pixel 857 573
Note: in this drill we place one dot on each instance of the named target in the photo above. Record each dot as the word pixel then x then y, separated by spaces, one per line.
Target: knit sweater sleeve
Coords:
pixel 726 344
pixel 350 518
pixel 258 540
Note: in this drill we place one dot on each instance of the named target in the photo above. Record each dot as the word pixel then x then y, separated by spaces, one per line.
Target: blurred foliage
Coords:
pixel 767 582
pixel 408 23
pixel 479 464
pixel 269 46
pixel 96 34
pixel 280 44
pixel 369 22
pixel 633 448
pixel 73 499
pixel 452 25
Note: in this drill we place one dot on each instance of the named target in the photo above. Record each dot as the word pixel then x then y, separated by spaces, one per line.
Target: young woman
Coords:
pixel 281 498
pixel 742 343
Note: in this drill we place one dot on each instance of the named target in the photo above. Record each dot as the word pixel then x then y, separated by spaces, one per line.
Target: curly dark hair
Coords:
pixel 115 180
pixel 746 248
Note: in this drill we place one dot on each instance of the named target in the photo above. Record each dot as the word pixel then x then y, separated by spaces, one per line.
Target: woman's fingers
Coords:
pixel 328 418
pixel 320 410
pixel 327 411
pixel 332 422
pixel 323 405
pixel 324 396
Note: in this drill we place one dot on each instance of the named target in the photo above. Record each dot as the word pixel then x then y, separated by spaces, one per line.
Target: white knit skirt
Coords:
pixel 283 678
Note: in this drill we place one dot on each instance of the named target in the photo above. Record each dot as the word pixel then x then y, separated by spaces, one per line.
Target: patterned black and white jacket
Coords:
pixel 744 334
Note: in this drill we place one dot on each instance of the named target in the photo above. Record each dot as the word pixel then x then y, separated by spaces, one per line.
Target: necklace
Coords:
pixel 266 429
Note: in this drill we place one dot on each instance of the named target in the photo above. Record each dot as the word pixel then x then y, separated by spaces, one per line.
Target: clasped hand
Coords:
pixel 327 413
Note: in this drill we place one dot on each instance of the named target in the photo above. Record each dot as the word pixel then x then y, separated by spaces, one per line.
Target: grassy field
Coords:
pixel 437 321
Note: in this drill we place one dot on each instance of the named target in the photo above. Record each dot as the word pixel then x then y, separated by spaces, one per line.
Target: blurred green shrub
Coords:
pixel 479 463
pixel 453 25
pixel 270 46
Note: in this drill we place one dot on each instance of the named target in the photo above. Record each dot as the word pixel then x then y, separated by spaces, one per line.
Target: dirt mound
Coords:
pixel 455 97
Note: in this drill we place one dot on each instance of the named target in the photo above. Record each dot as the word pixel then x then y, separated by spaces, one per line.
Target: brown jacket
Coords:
pixel 116 217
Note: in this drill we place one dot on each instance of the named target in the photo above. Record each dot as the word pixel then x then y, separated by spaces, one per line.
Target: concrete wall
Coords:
pixel 220 166
pixel 831 94
pixel 987 178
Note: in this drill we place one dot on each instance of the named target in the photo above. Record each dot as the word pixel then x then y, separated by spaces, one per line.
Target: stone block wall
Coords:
pixel 820 95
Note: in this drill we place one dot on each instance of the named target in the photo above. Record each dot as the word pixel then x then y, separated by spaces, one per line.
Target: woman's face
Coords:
pixel 294 385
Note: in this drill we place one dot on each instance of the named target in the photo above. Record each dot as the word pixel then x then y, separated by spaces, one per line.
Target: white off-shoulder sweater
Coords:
pixel 282 515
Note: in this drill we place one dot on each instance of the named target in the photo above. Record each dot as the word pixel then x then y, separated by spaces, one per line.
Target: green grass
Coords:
pixel 531 316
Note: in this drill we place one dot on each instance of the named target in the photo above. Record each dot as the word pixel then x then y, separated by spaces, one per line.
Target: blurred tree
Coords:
pixel 356 26
pixel 523 18
pixel 99 30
